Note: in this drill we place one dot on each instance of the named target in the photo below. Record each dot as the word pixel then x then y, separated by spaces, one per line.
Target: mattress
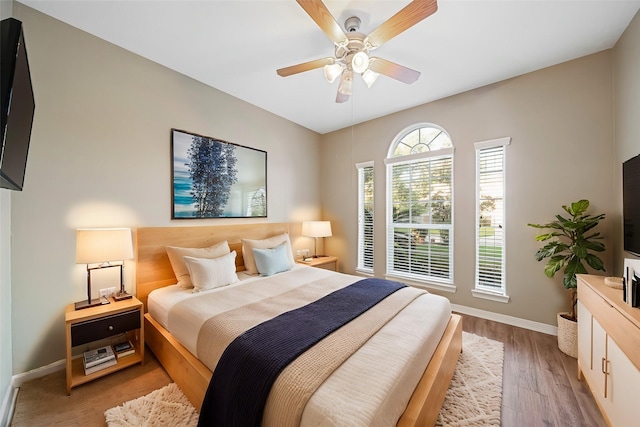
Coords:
pixel 371 388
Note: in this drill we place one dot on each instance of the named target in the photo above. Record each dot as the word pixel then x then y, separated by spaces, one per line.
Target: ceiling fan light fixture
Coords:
pixel 346 82
pixel 360 62
pixel 370 77
pixel 332 71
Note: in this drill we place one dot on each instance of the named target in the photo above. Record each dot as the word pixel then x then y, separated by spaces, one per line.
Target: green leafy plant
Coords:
pixel 571 242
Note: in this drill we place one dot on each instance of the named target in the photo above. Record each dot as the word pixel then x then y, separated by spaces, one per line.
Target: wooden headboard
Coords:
pixel 153 269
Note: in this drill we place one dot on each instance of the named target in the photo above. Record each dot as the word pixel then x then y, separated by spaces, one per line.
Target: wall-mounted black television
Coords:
pixel 18 104
pixel 631 204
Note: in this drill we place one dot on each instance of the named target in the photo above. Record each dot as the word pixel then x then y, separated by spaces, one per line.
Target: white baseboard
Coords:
pixel 509 320
pixel 9 401
pixel 19 379
pixel 8 406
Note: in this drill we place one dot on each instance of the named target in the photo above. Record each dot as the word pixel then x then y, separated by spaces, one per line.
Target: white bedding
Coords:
pixel 373 387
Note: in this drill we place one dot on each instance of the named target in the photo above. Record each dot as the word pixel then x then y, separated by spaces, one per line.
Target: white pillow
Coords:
pixel 248 245
pixel 176 257
pixel 210 273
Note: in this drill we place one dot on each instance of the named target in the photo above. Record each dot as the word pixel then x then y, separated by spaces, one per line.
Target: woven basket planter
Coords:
pixel 568 336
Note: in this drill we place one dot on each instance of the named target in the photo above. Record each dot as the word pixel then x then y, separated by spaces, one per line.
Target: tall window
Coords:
pixel 365 217
pixel 490 218
pixel 420 206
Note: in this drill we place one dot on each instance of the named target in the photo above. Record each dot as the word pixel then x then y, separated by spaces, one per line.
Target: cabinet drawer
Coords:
pixel 96 329
pixel 328 266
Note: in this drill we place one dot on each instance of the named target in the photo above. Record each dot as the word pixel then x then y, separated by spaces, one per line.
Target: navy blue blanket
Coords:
pixel 247 369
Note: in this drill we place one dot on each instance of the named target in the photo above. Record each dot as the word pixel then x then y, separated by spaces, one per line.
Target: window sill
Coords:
pixel 363 272
pixel 491 296
pixel 444 287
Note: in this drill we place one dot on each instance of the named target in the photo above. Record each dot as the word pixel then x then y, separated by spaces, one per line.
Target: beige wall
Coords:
pixel 100 156
pixel 561 124
pixel 626 62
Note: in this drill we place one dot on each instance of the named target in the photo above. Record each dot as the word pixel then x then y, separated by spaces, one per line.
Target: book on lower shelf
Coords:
pixel 98 356
pixel 124 349
pixel 95 368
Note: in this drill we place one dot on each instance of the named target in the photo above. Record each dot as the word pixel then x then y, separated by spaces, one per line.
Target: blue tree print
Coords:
pixel 212 167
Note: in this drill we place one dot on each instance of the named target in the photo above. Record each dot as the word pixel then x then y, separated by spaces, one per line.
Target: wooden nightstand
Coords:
pixel 83 327
pixel 326 262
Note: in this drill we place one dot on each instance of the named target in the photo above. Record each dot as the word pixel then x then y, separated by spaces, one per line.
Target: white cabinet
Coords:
pixel 609 350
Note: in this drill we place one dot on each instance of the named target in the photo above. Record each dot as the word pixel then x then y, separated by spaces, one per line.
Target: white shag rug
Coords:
pixel 474 397
pixel 167 406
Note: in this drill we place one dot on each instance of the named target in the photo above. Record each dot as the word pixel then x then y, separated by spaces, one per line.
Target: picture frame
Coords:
pixel 213 178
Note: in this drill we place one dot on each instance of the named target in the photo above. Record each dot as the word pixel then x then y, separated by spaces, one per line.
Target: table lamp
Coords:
pixel 316 229
pixel 103 246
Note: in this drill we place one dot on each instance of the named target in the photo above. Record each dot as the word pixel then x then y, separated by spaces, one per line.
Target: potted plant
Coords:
pixel 570 242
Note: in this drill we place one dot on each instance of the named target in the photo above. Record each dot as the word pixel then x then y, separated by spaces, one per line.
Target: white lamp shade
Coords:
pixel 103 245
pixel 369 77
pixel 331 72
pixel 346 81
pixel 360 62
pixel 316 228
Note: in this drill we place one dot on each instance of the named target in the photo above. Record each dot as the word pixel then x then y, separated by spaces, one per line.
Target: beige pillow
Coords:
pixel 248 245
pixel 212 273
pixel 176 257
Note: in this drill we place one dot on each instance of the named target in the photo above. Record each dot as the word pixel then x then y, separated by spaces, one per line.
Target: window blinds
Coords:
pixel 419 242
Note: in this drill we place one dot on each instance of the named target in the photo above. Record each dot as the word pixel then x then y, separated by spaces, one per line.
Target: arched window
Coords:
pixel 420 206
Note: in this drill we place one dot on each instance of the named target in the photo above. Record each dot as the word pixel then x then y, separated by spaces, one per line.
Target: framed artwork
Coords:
pixel 212 178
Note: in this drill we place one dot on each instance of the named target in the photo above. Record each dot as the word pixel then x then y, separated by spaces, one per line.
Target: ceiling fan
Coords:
pixel 352 48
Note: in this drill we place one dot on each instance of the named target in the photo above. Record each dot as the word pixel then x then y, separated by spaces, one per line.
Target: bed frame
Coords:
pixel 153 270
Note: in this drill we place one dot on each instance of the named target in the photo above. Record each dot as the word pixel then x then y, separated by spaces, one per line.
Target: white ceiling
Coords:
pixel 236 46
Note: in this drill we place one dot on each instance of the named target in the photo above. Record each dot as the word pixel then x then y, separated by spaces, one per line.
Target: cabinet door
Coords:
pixel 599 357
pixel 584 341
pixel 623 387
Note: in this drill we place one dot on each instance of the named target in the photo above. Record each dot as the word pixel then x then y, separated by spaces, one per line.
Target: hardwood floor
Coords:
pixel 540 387
pixel 539 382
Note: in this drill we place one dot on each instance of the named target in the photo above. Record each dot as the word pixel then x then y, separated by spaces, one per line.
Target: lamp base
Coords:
pixel 86 304
pixel 121 296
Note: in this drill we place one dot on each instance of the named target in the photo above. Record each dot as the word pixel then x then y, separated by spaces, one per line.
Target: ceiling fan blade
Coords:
pixel 393 70
pixel 321 15
pixel 305 66
pixel 340 98
pixel 406 18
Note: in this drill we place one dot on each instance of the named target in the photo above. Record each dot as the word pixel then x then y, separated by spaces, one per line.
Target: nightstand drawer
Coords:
pixel 328 266
pixel 96 329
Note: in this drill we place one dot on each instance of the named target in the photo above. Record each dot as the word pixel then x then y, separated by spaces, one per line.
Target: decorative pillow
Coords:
pixel 209 273
pixel 271 261
pixel 248 245
pixel 176 257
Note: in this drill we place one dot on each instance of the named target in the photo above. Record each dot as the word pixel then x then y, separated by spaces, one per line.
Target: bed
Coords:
pixel 176 353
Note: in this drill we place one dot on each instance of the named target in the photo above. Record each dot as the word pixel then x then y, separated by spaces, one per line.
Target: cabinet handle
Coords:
pixel 605 371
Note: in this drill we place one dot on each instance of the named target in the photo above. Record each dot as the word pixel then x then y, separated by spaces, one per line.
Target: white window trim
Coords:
pixel 364 164
pixel 425 284
pixel 491 296
pixel 479 291
pixel 363 270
